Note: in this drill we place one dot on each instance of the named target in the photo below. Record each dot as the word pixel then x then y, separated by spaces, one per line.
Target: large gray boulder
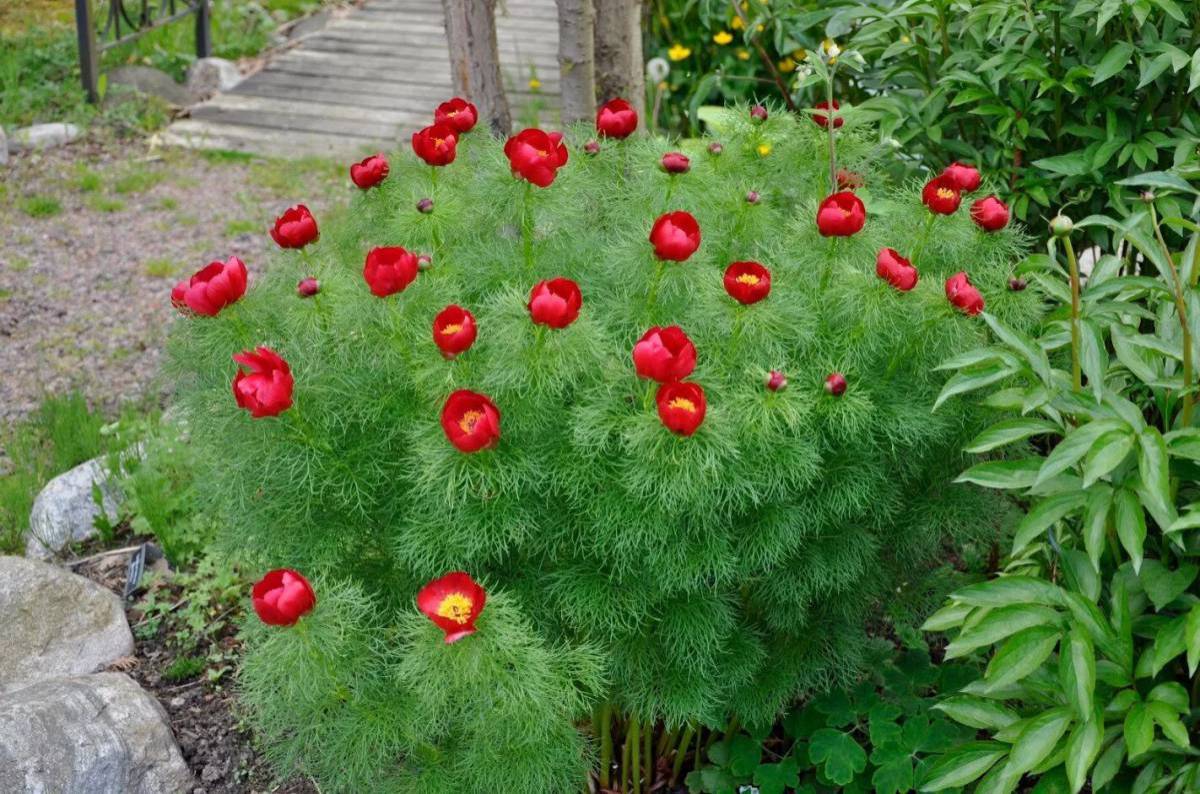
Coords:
pixel 54 624
pixel 66 510
pixel 43 136
pixel 208 76
pixel 98 734
pixel 151 81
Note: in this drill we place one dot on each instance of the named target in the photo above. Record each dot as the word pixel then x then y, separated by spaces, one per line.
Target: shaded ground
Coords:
pixel 94 235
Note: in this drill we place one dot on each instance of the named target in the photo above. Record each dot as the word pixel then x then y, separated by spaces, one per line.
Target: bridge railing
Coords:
pixel 104 24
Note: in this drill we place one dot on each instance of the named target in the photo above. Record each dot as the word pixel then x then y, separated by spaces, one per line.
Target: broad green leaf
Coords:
pixel 777 778
pixel 1082 662
pixel 1080 575
pixel 1082 749
pixel 1095 520
pixel 838 755
pixel 1004 474
pixel 1077 163
pixel 1194 78
pixel 1159 179
pixel 1106 454
pixel 1038 740
pixel 1164 585
pixel 1008 431
pixel 1114 61
pixel 1168 719
pixel 1139 730
pixel 1092 619
pixel 1172 693
pixel 893 772
pixel 1130 521
pixel 969 380
pixel 1007 590
pixel 1093 355
pixel 1020 655
pixel 1034 356
pixel 1154 468
pixel 1074 446
pixel 1045 513
pixel 1108 764
pixel 1184 443
pixel 1187 521
pixel 977 712
pixel 962 765
pixel 999 624
pixel 948 617
pixel 1169 642
pixel 1135 358
pixel 1192 636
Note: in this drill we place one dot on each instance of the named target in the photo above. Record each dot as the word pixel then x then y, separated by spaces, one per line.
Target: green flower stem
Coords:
pixel 827 267
pixel 527 227
pixel 829 126
pixel 624 770
pixel 924 238
pixel 634 756
pixel 1073 265
pixel 670 192
pixel 648 754
pixel 1185 328
pixel 604 727
pixel 677 765
pixel 659 267
pixel 648 397
pixel 240 329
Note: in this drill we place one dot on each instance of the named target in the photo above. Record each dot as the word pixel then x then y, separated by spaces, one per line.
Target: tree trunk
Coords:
pixel 475 60
pixel 620 69
pixel 576 62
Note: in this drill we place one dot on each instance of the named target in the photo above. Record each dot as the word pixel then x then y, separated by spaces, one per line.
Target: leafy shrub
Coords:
pixel 697 577
pixel 1094 626
pixel 1058 101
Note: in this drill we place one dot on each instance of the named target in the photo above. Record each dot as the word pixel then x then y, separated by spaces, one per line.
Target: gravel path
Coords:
pixel 93 236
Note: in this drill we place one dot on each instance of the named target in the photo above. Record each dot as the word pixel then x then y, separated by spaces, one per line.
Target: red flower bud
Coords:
pixel 308 287
pixel 295 228
pixel 555 302
pixel 752 197
pixel 370 172
pixel 963 294
pixel 454 330
pixel 591 148
pixel 436 144
pixel 822 119
pixel 895 269
pixel 941 195
pixel 425 206
pixel 990 214
pixel 458 114
pixel 282 597
pixel 453 603
pixel 616 119
pixel 536 156
pixel 664 354
pixel 965 177
pixel 264 388
pixel 681 406
pixel 212 288
pixel 835 384
pixel 841 215
pixel 675 236
pixel 747 282
pixel 715 148
pixel 758 113
pixel 776 381
pixel 424 262
pixel 470 421
pixel 848 180
pixel 676 163
pixel 389 270
pixel 1017 284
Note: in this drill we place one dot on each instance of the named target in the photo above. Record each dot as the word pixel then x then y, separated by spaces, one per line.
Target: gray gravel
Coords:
pixel 85 291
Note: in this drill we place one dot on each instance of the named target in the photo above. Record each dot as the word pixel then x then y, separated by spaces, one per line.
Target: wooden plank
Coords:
pixel 424 55
pixel 387 121
pixel 255 140
pixel 374 66
pixel 289 122
pixel 544 50
pixel 283 83
pixel 363 76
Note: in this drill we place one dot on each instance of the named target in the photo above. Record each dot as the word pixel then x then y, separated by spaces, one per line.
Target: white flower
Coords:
pixel 657 70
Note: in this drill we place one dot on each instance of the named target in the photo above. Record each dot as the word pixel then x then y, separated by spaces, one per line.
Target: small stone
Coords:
pixel 151 81
pixel 178 701
pixel 43 136
pixel 66 511
pixel 208 76
pixel 210 773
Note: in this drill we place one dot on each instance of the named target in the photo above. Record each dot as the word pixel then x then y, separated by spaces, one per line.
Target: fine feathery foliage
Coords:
pixel 721 574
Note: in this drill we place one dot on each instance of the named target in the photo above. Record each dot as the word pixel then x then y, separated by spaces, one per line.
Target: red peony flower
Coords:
pixel 835 384
pixel 454 330
pixel 616 119
pixel 536 156
pixel 990 214
pixel 849 180
pixel 823 119
pixel 282 597
pixel 965 177
pixel 458 114
pixel 212 288
pixel 841 215
pixel 436 144
pixel 555 302
pixel 941 195
pixel 470 421
pixel 389 270
pixel 963 294
pixel 675 236
pixel 266 388
pixel 676 163
pixel 747 282
pixel 308 287
pixel 453 602
pixel 370 172
pixel 664 354
pixel 895 269
pixel 295 228
pixel 681 406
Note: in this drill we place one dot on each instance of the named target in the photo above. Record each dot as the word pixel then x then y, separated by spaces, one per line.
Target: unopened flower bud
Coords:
pixel 1061 226
pixel 758 113
pixel 424 262
pixel 1147 196
pixel 676 163
pixel 835 384
pixel 752 197
pixel 776 381
pixel 715 148
pixel 1017 284
pixel 308 287
pixel 425 206
pixel 591 148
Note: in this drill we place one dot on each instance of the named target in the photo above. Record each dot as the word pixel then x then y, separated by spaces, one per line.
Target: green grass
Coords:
pixel 20 264
pixel 87 180
pixel 234 228
pixel 226 156
pixel 184 667
pixel 62 433
pixel 160 268
pixel 40 206
pixel 168 203
pixel 137 180
pixel 105 204
pixel 5 294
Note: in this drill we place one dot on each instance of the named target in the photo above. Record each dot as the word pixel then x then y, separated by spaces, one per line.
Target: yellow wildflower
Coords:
pixel 743 55
pixel 831 48
pixel 760 28
pixel 906 39
pixel 663 86
pixel 723 37
pixel 800 54
pixel 534 84
pixel 764 149
pixel 787 65
pixel 736 23
pixel 678 52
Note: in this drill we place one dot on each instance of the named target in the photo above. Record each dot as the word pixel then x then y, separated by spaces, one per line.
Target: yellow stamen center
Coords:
pixel 747 278
pixel 457 607
pixel 469 420
pixel 683 404
pixel 945 193
pixel 453 328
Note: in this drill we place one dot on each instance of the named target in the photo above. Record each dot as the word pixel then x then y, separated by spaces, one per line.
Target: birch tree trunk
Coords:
pixel 620 69
pixel 475 60
pixel 576 59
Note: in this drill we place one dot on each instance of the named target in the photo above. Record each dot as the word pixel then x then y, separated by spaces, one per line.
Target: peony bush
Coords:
pixel 555 445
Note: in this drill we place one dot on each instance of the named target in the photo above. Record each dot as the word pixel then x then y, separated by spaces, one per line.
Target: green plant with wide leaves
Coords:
pixel 1093 628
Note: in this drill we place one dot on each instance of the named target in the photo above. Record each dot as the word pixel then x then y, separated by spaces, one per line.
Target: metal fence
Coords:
pixel 103 24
